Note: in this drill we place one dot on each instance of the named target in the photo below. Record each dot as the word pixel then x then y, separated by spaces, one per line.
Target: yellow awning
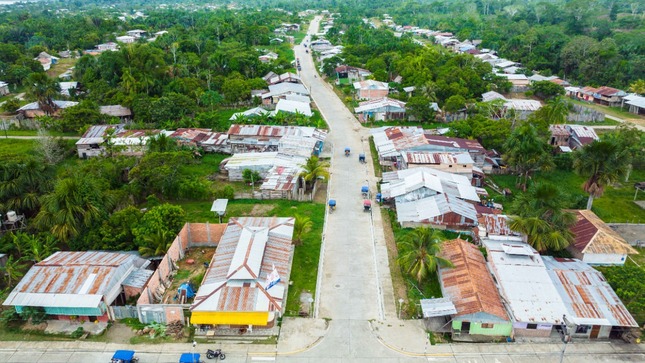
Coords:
pixel 230 318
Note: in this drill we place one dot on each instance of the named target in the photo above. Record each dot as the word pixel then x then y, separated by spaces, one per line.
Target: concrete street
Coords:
pixel 355 310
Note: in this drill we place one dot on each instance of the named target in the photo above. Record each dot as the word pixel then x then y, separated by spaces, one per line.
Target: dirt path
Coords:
pixel 119 333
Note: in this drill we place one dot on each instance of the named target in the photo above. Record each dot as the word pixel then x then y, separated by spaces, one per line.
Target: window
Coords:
pixel 531 326
pixel 582 329
pixel 487 326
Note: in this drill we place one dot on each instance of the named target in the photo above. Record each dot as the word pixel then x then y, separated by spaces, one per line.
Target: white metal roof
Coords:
pixel 53 300
pixel 248 255
pixel 512 76
pixel 491 96
pixel 298 98
pixel 523 105
pixel 286 87
pixel 383 103
pixel 371 84
pixel 437 307
pixel 256 111
pixel 59 104
pixel 431 208
pixel 525 283
pixel 635 100
pixel 293 107
pixel 397 183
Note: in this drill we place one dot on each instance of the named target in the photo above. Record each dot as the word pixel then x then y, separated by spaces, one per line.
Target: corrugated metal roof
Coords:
pixel 36 106
pixel 115 110
pixel 222 291
pixel 583 133
pixel 438 158
pixel 524 283
pixel 384 103
pixel 491 96
pixel 437 307
pixel 282 88
pixel 495 225
pixel 256 111
pixel 587 295
pixel 558 130
pixel 454 143
pixel 432 209
pixel 269 131
pixel 75 274
pixel 522 105
pixel 593 236
pixel 293 107
pixel 468 283
pixel 281 178
pixel 371 84
pixel 398 183
pixel 635 100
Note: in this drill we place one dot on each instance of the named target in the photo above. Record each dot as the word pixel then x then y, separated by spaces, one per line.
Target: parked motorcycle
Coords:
pixel 217 353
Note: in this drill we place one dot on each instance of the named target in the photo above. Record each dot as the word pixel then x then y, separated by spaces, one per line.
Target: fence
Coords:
pixel 124 312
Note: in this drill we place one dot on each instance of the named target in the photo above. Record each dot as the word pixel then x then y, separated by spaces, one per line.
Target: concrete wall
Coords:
pixel 542 330
pixel 499 329
pixel 604 259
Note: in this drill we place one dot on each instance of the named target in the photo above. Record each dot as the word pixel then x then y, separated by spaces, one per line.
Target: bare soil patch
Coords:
pixel 191 268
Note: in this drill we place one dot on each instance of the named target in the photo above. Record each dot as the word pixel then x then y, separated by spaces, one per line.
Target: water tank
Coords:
pixel 11 216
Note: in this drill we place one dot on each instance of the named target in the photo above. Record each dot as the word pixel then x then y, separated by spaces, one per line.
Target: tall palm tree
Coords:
pixel 156 244
pixel 527 152
pixel 546 201
pixel 13 270
pixel 21 185
pixel 314 169
pixel 301 226
pixel 602 163
pixel 418 253
pixel 42 88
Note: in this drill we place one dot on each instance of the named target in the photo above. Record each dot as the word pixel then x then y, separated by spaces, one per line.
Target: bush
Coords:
pixel 225 193
pixel 564 161
pixel 78 333
pixel 37 314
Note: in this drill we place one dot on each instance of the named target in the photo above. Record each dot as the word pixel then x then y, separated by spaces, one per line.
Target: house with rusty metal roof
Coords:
pixel 91 144
pixel 455 163
pixel 480 315
pixel 246 281
pixel 596 243
pixel 381 109
pixel 496 226
pixel 266 138
pixel 592 305
pixel 532 301
pixel 581 135
pixel 81 284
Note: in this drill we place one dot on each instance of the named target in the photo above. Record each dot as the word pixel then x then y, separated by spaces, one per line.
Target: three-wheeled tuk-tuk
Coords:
pixel 124 356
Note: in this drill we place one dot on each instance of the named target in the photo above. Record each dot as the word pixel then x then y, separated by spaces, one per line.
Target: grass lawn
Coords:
pixel 637 260
pixel 35 133
pixel 304 269
pixel 59 68
pixel 16 149
pixel 616 205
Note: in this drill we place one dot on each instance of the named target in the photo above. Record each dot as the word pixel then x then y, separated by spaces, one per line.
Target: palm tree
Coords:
pixel 42 88
pixel 527 152
pixel 77 202
pixel 157 244
pixel 313 170
pixel 418 253
pixel 22 184
pixel 301 226
pixel 546 201
pixel 602 163
pixel 162 143
pixel 13 270
pixel 556 110
pixel 541 234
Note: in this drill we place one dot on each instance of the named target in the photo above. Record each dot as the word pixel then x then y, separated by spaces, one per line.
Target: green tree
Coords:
pixel 13 270
pixel 419 108
pixel 602 163
pixel 418 253
pixel 541 234
pixel 76 203
pixel 251 176
pixel 301 226
pixel 546 89
pixel 22 184
pixel 638 87
pixel 314 169
pixel 41 247
pixel 42 89
pixel 156 244
pixel 166 217
pixel 527 152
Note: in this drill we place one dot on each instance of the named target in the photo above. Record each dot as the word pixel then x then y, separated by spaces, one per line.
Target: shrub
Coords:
pixel 78 333
pixel 225 193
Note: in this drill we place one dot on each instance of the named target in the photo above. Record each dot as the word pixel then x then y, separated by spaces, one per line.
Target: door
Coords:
pixel 594 332
pixel 465 327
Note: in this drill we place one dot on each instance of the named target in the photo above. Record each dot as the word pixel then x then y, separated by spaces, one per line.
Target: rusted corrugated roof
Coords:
pixel 222 291
pixel 495 225
pixel 593 236
pixel 558 130
pixel 586 294
pixel 74 273
pixel 469 284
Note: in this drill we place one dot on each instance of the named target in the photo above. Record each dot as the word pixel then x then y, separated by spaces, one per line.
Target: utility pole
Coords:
pixel 565 336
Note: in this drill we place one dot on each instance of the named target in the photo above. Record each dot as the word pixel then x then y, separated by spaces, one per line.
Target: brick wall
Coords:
pixel 191 235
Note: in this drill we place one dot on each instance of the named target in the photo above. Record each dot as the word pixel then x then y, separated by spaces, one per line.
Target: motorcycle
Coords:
pixel 217 353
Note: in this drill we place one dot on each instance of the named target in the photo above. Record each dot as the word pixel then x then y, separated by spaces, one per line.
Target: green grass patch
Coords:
pixel 35 133
pixel 616 205
pixel 208 165
pixel 637 260
pixel 375 161
pixel 16 149
pixel 606 122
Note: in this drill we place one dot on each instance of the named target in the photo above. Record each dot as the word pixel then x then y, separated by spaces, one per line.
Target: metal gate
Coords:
pixel 123 312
